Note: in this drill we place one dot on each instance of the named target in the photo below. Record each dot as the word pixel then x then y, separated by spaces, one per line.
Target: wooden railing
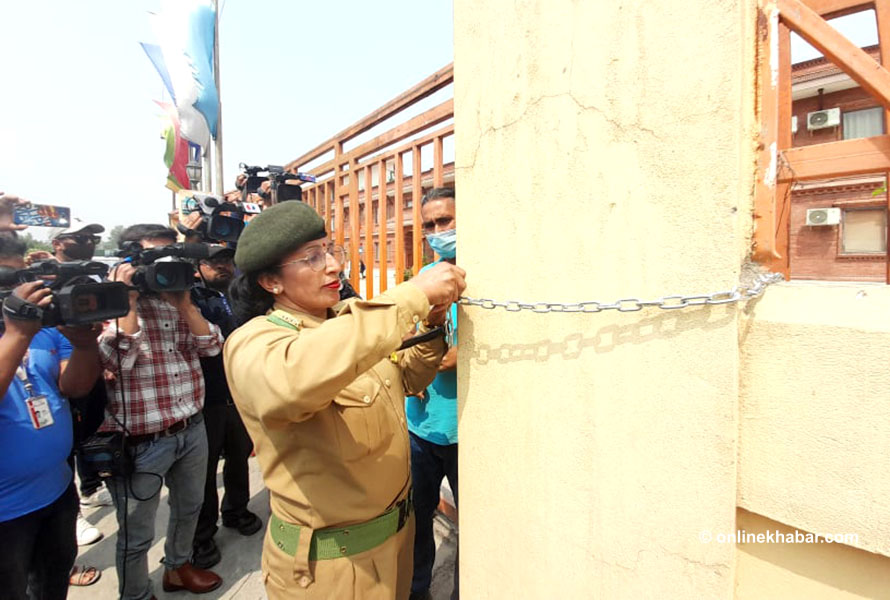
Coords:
pixel 779 165
pixel 363 193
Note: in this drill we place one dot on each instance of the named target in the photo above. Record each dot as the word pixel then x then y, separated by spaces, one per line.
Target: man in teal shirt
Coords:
pixel 432 420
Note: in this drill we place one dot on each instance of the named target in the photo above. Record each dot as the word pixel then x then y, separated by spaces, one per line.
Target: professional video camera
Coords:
pixel 162 269
pixel 78 298
pixel 280 181
pixel 221 221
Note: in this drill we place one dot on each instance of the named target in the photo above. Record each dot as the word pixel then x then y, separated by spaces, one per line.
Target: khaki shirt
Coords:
pixel 325 405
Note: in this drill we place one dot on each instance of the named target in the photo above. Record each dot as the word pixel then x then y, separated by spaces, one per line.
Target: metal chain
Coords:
pixel 738 293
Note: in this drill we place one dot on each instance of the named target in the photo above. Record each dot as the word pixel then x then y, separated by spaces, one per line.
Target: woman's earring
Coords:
pixel 274 290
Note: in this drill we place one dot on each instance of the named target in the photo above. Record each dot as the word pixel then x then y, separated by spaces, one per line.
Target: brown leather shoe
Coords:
pixel 191 578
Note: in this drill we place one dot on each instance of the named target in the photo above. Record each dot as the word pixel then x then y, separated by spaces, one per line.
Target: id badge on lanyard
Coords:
pixel 37 405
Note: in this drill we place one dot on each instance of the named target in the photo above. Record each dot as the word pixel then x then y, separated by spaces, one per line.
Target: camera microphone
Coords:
pixel 198 251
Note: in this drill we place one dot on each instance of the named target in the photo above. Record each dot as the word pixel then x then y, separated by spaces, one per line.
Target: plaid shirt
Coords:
pixel 160 368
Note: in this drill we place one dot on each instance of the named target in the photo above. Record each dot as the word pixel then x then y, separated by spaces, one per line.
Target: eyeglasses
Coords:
pixel 82 238
pixel 316 257
pixel 442 222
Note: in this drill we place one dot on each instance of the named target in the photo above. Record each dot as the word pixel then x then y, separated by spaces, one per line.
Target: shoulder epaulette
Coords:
pixel 285 319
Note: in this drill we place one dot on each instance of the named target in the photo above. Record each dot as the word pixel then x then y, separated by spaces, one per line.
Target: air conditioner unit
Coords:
pixel 817 217
pixel 821 119
pixel 793 125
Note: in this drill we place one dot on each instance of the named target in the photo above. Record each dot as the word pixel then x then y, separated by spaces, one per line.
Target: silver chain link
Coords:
pixel 738 293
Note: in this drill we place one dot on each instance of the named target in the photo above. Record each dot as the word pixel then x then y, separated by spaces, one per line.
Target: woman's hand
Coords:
pixel 438 315
pixel 443 284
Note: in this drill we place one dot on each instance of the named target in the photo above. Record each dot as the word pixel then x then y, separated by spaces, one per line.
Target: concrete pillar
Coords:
pixel 603 151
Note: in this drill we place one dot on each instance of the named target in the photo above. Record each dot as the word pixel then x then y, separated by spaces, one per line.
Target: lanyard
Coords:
pixel 22 373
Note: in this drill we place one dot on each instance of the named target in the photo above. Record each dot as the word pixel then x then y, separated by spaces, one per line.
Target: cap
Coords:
pixel 78 226
pixel 275 232
pixel 218 251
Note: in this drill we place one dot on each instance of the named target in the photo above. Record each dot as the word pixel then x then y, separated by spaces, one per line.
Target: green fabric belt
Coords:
pixel 342 541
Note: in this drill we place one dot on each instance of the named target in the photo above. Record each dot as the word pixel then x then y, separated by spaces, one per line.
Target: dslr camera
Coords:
pixel 78 298
pixel 165 268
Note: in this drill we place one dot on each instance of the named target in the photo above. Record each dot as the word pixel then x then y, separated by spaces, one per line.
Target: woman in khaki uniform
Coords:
pixel 322 395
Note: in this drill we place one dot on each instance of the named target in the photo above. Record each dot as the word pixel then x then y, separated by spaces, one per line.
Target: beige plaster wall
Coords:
pixel 815 410
pixel 602 152
pixel 811 571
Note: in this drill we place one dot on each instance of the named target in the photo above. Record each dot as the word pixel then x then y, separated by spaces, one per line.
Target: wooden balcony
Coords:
pixel 409 152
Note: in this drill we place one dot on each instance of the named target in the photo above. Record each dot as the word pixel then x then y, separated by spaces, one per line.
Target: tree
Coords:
pixel 109 246
pixel 34 244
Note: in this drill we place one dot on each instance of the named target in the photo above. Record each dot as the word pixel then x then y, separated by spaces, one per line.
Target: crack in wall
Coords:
pixel 622 129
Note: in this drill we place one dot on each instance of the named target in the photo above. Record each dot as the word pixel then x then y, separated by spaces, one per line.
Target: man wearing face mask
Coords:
pixel 432 419
pixel 78 242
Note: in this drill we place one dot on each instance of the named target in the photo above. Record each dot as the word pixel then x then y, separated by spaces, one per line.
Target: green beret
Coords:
pixel 275 232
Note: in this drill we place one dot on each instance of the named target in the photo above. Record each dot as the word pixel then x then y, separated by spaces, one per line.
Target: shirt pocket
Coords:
pixel 360 418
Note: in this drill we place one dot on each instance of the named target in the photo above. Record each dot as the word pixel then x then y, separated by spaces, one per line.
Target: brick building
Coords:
pixel 848 240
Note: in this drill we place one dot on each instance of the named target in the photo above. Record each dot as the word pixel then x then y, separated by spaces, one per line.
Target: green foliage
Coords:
pixel 34 244
pixel 109 246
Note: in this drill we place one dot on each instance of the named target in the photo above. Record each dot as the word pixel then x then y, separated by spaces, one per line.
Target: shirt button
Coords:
pixel 305 581
pixel 387 383
pixel 366 399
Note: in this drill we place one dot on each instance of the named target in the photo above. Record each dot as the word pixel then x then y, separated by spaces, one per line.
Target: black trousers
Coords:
pixel 39 549
pixel 226 436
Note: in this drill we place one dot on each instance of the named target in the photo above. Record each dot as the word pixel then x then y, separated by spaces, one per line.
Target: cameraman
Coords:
pixel 78 242
pixel 38 503
pixel 225 431
pixel 157 399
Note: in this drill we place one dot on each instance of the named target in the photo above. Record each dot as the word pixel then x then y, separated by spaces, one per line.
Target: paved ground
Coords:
pixel 240 565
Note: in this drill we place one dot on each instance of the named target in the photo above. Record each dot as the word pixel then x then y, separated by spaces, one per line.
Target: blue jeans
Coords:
pixel 429 464
pixel 180 461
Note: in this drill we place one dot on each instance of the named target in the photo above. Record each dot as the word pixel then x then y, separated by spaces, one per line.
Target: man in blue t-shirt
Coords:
pixel 432 420
pixel 38 504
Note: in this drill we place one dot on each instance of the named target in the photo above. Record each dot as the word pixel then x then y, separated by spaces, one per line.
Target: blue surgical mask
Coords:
pixel 444 244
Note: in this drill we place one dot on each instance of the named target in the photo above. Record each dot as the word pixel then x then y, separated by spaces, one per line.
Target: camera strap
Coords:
pixel 21 310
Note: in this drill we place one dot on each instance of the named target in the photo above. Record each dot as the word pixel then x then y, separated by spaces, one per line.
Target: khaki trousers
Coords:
pixel 382 573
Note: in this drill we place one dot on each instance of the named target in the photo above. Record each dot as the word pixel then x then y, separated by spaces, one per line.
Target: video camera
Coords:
pixel 162 269
pixel 279 188
pixel 221 221
pixel 78 298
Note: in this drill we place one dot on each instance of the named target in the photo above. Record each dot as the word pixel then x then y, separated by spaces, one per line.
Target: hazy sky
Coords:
pixel 79 128
pixel 860 28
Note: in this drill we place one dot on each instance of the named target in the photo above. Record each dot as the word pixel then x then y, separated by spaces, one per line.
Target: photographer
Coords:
pixel 78 242
pixel 156 400
pixel 38 504
pixel 225 431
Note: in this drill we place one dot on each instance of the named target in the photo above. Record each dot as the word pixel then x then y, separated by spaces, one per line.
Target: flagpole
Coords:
pixel 207 171
pixel 220 189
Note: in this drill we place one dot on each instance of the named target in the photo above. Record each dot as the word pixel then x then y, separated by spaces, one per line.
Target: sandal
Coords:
pixel 83 575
